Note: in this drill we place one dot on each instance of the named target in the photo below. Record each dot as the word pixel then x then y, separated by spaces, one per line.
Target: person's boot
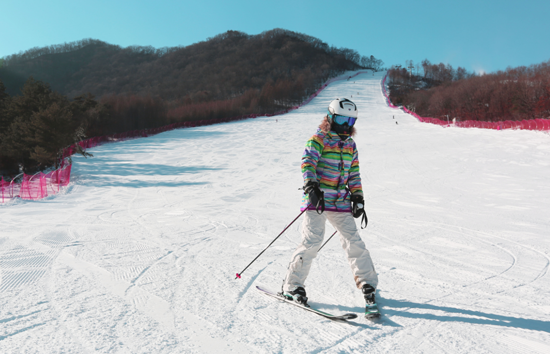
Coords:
pixel 297 295
pixel 368 293
pixel 371 308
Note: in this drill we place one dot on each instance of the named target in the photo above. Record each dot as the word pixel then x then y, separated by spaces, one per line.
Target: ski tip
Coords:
pixel 350 316
pixel 238 276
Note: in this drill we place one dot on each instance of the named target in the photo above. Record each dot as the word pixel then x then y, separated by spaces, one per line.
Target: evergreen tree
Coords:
pixel 43 122
pixel 4 103
pixel 6 163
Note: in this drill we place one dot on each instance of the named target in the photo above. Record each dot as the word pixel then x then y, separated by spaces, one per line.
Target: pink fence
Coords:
pixel 41 185
pixel 527 124
pixel 37 186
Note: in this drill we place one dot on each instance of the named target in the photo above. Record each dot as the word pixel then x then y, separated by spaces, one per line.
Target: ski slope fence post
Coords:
pixel 37 186
pixel 526 124
pixel 3 185
pixel 51 182
pixel 9 188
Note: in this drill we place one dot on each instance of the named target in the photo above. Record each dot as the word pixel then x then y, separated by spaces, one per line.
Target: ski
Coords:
pixel 279 296
pixel 372 312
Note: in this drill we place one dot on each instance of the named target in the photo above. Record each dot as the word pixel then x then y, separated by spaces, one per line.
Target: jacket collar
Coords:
pixel 335 136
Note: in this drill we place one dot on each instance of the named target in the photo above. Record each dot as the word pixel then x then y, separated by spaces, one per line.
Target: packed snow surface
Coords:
pixel 139 253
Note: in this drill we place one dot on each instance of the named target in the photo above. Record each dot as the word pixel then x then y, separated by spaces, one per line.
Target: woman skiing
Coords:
pixel 332 185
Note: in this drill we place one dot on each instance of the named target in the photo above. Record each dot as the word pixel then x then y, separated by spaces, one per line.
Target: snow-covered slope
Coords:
pixel 140 253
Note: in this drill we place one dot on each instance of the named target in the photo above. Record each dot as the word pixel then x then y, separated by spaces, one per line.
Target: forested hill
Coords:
pixel 218 68
pixel 443 92
pixel 46 90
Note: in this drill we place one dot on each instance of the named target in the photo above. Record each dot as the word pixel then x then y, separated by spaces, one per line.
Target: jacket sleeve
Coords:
pixel 310 158
pixel 354 181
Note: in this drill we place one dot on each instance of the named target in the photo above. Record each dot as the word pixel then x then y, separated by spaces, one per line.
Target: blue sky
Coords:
pixel 478 35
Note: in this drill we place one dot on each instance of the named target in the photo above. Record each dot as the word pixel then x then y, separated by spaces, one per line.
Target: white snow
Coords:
pixel 139 253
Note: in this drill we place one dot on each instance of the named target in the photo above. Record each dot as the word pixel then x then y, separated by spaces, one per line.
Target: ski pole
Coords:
pixel 365 220
pixel 327 241
pixel 239 274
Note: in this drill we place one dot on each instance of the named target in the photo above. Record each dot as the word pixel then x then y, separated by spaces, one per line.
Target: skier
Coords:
pixel 332 186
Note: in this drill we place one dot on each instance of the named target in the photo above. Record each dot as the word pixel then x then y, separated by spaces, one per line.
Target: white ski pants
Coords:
pixel 312 238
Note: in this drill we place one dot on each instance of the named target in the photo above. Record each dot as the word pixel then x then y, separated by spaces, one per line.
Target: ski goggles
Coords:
pixel 343 119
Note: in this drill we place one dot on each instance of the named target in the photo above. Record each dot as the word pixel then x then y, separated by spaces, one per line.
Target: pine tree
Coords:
pixel 4 103
pixel 6 163
pixel 44 122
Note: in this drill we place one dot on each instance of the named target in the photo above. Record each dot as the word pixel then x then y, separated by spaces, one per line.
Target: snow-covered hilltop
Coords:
pixel 139 254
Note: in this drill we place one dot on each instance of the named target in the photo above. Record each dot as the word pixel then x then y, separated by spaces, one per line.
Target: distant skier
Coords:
pixel 333 191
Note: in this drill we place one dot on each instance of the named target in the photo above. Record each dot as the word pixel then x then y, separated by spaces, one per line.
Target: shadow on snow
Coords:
pixel 119 173
pixel 390 307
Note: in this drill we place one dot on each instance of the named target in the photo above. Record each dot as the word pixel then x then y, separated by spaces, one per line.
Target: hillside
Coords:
pixel 139 253
pixel 442 92
pixel 91 88
pixel 216 69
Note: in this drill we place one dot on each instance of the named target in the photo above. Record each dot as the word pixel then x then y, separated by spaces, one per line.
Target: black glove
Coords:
pixel 357 205
pixel 316 196
pixel 358 208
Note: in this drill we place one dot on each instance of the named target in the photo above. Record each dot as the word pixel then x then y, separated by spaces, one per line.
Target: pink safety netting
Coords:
pixel 528 124
pixel 40 185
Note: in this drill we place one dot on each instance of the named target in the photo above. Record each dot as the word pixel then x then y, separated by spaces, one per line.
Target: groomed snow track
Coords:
pixel 139 253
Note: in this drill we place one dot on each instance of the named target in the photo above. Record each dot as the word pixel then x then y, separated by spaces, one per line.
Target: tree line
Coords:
pixel 35 126
pixel 91 88
pixel 513 94
pixel 221 67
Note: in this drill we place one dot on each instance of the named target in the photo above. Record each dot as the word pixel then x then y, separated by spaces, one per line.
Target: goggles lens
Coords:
pixel 343 119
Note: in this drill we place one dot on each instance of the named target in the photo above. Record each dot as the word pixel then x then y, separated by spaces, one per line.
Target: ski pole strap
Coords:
pixel 364 220
pixel 320 204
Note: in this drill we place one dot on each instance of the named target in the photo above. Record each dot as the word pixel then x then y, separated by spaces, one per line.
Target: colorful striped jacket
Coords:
pixel 333 163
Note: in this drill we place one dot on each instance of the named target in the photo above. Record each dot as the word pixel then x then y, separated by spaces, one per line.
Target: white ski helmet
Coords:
pixel 342 107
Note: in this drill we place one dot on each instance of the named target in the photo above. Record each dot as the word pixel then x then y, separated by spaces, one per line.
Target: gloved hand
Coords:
pixel 316 196
pixel 358 209
pixel 357 205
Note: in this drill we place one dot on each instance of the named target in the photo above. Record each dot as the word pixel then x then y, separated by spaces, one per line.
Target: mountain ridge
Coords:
pixel 215 65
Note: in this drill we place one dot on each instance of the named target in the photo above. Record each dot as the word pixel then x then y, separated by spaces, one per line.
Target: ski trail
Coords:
pixel 138 254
